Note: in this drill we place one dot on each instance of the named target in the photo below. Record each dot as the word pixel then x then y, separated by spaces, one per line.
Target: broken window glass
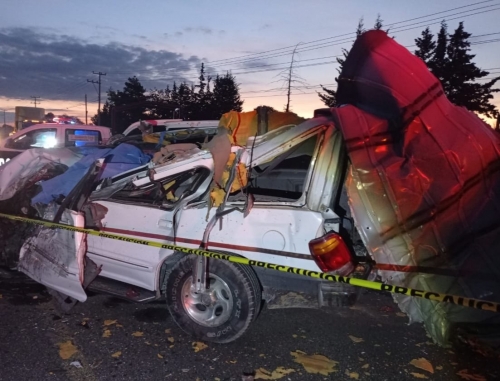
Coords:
pixel 166 192
pixel 284 176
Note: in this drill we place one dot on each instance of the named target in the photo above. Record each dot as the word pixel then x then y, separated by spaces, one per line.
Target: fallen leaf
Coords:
pixel 171 346
pixel 315 363
pixel 294 336
pixel 198 346
pixel 388 353
pixel 361 359
pixel 1 296
pixel 35 297
pixel 109 322
pixel 353 375
pixel 401 314
pixel 262 355
pixel 170 339
pixel 366 366
pixel 67 349
pixel 439 367
pixel 233 361
pixel 138 334
pixel 119 326
pixel 167 331
pixel 106 333
pixel 116 354
pixel 159 356
pixel 356 339
pixel 464 373
pixel 423 364
pixel 279 372
pixel 418 375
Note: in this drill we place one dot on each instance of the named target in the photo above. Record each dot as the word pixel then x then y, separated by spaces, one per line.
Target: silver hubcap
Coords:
pixel 210 308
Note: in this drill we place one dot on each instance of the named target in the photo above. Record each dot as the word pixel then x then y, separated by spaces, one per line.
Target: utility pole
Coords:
pixel 86 112
pixel 98 95
pixel 35 98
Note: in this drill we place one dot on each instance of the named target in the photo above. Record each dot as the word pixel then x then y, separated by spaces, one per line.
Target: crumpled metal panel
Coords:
pixel 21 169
pixel 424 183
pixel 56 257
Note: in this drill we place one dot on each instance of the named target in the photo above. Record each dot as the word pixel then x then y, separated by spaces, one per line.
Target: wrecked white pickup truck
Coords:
pixel 423 189
pixel 287 199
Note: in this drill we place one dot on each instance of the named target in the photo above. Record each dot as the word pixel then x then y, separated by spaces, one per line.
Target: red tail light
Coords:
pixel 331 253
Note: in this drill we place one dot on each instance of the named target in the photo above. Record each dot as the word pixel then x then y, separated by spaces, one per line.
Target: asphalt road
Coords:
pixel 112 339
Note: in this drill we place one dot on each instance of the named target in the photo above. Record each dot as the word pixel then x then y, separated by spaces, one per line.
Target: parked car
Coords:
pixel 52 135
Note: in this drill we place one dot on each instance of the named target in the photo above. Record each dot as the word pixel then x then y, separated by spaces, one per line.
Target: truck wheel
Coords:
pixel 222 313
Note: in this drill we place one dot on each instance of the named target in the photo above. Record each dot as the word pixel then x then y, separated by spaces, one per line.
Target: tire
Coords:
pixel 225 313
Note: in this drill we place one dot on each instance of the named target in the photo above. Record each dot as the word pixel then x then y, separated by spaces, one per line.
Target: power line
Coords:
pixel 340 42
pixel 304 47
pixel 348 34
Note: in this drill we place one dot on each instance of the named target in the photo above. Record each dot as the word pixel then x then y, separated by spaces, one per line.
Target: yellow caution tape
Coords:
pixel 434 296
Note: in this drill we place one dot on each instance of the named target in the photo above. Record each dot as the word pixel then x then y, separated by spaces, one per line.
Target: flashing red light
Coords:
pixel 330 252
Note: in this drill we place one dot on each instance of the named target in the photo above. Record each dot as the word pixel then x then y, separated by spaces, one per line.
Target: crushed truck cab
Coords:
pixel 265 201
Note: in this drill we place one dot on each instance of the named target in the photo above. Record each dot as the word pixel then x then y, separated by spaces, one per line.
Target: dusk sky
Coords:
pixel 50 48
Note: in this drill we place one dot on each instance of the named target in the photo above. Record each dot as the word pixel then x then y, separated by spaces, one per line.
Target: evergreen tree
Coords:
pixel 378 23
pixel 329 97
pixel 451 62
pixel 160 104
pixel 438 63
pixel 126 106
pixel 426 45
pixel 201 98
pixel 226 96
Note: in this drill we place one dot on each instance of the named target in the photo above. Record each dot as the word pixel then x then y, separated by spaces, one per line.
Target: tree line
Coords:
pixel 448 57
pixel 206 100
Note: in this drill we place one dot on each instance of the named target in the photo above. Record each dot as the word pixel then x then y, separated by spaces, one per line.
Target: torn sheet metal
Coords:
pixel 20 169
pixel 424 183
pixel 56 257
pixel 117 160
